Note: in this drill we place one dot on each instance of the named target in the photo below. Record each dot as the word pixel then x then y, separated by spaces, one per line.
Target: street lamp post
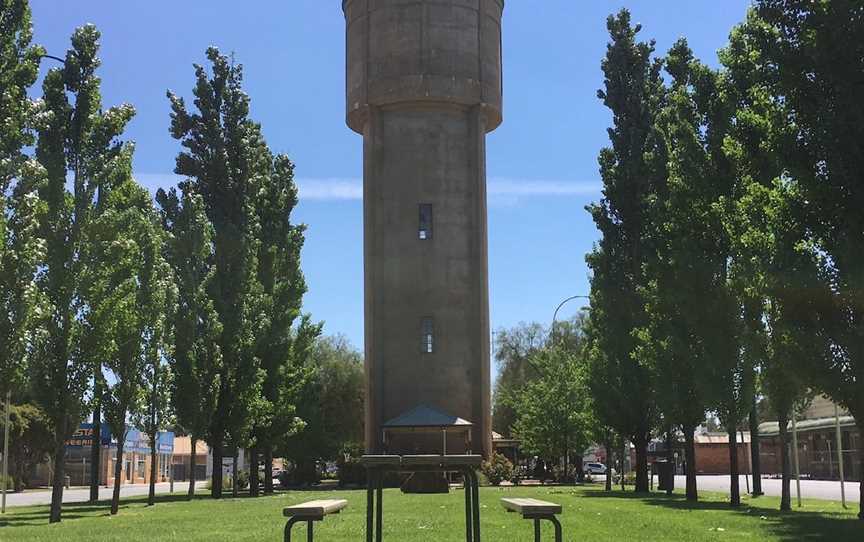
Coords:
pixel 555 314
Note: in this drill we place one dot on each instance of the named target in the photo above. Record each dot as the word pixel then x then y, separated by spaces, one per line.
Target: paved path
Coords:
pixel 810 489
pixel 76 494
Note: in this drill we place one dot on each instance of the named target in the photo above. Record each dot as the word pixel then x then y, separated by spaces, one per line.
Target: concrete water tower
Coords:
pixel 423 88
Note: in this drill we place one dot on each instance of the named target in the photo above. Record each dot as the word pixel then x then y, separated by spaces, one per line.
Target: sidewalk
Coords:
pixel 810 489
pixel 79 494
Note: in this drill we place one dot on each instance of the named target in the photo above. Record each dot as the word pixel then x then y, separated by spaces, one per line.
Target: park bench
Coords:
pixel 310 511
pixel 536 510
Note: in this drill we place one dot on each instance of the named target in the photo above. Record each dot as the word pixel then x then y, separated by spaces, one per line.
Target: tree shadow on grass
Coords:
pixel 788 526
pixel 38 515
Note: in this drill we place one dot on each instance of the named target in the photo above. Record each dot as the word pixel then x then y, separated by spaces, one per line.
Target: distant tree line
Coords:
pixel 183 312
pixel 729 267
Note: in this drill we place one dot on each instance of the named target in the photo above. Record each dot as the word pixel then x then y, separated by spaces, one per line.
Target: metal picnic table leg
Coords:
pixel 379 529
pixel 557 525
pixel 536 530
pixel 288 526
pixel 466 476
pixel 370 503
pixel 475 498
pixel 309 531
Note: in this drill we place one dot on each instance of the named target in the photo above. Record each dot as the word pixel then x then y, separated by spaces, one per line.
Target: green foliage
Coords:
pixel 194 355
pixel 621 381
pixel 78 139
pixel 811 70
pixel 331 404
pixel 350 471
pixel 497 469
pixel 553 409
pixel 20 247
pixel 30 441
pixel 225 161
pixel 513 349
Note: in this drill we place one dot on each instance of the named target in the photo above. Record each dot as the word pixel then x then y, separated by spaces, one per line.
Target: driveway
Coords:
pixel 79 494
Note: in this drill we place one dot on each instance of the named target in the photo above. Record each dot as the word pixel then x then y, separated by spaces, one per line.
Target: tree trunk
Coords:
pixel 253 472
pixel 623 461
pixel 609 463
pixel 59 475
pixel 785 467
pixel 268 470
pixel 234 485
pixel 734 491
pixel 641 443
pixel 192 460
pixel 754 452
pixel 566 465
pixel 670 459
pixel 690 462
pixel 96 453
pixel 216 480
pixel 151 496
pixel 118 470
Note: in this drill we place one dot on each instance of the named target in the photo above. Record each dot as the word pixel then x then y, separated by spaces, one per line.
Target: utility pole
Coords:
pixel 839 454
pixel 795 455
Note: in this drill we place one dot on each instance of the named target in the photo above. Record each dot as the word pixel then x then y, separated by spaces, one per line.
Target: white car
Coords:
pixel 594 468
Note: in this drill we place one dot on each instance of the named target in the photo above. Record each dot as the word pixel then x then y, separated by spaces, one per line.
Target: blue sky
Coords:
pixel 542 162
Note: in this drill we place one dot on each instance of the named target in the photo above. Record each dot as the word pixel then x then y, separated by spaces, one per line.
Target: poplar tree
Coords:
pixel 77 140
pixel 814 67
pixel 20 245
pixel 225 160
pixel 621 382
pixel 681 274
pixel 160 296
pixel 194 356
pixel 129 300
pixel 768 231
pixel 283 353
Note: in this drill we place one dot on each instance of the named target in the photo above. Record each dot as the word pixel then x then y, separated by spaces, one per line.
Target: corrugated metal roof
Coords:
pixel 772 429
pixel 719 438
pixel 424 416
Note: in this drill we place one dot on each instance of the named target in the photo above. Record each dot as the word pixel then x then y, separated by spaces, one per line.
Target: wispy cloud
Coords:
pixel 331 189
pixel 504 186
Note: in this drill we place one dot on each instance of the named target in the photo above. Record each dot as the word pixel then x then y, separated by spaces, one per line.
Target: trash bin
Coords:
pixel 665 475
pixel 67 481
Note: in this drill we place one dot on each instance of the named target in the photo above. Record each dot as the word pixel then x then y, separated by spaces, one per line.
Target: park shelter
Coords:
pixel 425 429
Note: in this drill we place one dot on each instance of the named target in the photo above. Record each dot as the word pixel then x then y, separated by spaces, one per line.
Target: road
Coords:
pixel 810 489
pixel 77 494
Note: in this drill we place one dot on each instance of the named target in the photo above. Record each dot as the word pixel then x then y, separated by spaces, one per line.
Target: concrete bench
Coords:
pixel 536 509
pixel 310 511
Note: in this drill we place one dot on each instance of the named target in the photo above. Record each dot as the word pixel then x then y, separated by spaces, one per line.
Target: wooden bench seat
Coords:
pixel 536 510
pixel 311 511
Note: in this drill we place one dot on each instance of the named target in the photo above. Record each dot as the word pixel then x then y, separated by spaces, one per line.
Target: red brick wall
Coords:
pixel 714 458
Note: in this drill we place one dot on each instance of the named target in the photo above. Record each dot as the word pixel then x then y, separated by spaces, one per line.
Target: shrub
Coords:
pixel 349 469
pixel 497 469
pixel 242 479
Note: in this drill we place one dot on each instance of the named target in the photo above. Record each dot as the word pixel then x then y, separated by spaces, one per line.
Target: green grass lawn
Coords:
pixel 590 514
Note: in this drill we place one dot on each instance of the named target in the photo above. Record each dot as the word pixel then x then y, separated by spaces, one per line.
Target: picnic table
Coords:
pixel 377 466
pixel 535 509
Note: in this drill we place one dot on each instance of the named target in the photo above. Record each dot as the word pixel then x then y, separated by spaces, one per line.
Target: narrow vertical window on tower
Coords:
pixel 427 330
pixel 424 231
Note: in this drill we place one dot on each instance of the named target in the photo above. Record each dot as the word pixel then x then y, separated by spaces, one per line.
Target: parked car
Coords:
pixel 594 468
